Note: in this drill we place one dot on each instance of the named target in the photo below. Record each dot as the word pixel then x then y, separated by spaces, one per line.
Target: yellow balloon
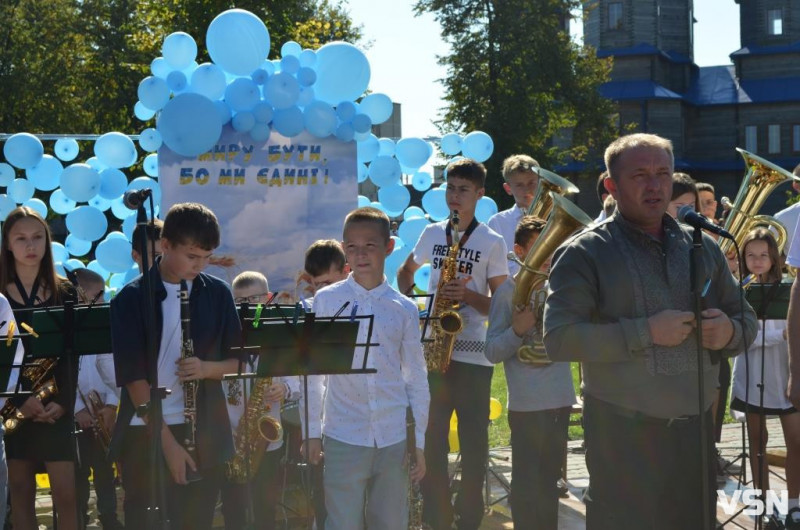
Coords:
pixel 495 408
pixel 43 480
pixel 453 421
pixel 453 439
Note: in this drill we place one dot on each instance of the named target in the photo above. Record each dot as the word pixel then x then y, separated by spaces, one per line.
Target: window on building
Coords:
pixel 774 21
pixel 774 138
pixel 751 138
pixel 615 15
pixel 795 138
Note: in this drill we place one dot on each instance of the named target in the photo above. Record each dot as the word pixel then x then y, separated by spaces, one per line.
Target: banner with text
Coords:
pixel 273 199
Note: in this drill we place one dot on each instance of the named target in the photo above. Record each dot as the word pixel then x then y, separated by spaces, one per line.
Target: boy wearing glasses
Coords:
pixel 252 287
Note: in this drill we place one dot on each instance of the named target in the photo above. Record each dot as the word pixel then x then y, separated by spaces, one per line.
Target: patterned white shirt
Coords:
pixel 370 409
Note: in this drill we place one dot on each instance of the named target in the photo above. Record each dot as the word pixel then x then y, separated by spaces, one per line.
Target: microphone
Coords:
pixel 134 198
pixel 687 215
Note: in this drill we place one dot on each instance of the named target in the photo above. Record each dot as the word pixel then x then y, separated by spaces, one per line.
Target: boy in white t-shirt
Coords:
pixel 465 386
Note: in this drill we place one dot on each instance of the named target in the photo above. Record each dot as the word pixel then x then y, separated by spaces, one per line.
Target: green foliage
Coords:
pixel 73 66
pixel 514 73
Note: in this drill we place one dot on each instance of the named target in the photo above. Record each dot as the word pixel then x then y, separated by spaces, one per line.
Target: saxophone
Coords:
pixel 446 322
pixel 189 387
pixel 44 388
pixel 256 430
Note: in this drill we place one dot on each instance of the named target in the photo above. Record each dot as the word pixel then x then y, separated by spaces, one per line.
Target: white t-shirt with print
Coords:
pixel 482 257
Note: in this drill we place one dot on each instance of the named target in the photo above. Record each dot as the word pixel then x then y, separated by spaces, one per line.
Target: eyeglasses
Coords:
pixel 252 299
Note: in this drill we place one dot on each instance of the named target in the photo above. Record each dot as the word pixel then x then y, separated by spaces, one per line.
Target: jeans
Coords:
pixel 465 388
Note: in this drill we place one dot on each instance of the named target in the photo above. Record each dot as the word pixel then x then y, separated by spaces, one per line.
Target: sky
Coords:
pixel 403 52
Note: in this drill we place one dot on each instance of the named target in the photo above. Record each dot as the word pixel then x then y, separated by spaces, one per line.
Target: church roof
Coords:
pixel 643 49
pixel 644 89
pixel 767 50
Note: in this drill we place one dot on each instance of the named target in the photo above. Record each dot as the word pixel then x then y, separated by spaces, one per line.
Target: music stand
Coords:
pixel 8 353
pixel 310 346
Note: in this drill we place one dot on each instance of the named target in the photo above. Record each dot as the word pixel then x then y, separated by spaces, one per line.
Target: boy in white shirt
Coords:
pixel 363 416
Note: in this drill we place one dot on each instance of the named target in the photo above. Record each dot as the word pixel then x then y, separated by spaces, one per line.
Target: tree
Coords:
pixel 73 66
pixel 515 73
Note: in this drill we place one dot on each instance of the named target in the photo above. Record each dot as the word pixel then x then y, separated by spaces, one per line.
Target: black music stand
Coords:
pixel 8 351
pixel 67 332
pixel 306 345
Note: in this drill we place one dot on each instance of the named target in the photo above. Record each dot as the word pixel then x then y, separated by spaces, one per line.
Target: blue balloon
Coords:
pixel 260 132
pixel 377 106
pixel 72 264
pixel 60 253
pixel 150 139
pixel 367 150
pixel 485 208
pixel 386 147
pixel 306 76
pixel 7 174
pixel 96 164
pixel 308 58
pixel 394 198
pixel 259 76
pixel 115 150
pixel 112 183
pixel 179 50
pixel 263 112
pixel 290 48
pixel 450 144
pixel 77 246
pixel 342 73
pixel 319 119
pixel 410 230
pixel 422 180
pixel 346 110
pixel 413 152
pixel 412 212
pixel 306 96
pixel 100 203
pixel 224 111
pixel 21 190
pixel 38 206
pixel 345 133
pixel 117 235
pixel 282 90
pixel 478 146
pixel 128 226
pixel 435 204
pixel 80 182
pixel 190 124
pixel 132 274
pixel 153 92
pixel 150 165
pixel 114 254
pixel 288 122
pixel 362 201
pixel 66 149
pixel 290 64
pixel 23 150
pixel 142 112
pixel 422 276
pixel 384 171
pixel 238 41
pixel 6 205
pixel 46 174
pixel 159 67
pixel 117 281
pixel 209 81
pixel 242 94
pixel 268 66
pixel 121 211
pixel 362 123
pixel 177 82
pixel 60 203
pixel 87 223
pixel 243 121
pixel 95 267
pixel 363 172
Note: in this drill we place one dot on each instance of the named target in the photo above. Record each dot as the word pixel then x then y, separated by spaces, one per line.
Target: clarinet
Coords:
pixel 189 387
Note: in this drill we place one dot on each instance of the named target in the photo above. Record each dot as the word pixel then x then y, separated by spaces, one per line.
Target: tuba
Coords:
pixel 256 430
pixel 446 322
pixel 564 220
pixel 760 180
pixel 542 204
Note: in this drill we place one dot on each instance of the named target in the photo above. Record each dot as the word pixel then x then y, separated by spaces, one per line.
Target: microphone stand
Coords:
pixel 157 514
pixel 697 274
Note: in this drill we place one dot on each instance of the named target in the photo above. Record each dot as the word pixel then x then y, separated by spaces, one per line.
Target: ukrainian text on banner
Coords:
pixel 273 199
